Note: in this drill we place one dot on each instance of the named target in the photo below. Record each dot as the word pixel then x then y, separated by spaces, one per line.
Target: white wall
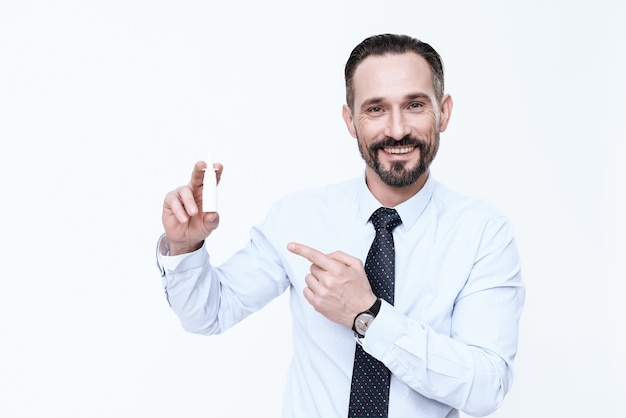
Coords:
pixel 106 105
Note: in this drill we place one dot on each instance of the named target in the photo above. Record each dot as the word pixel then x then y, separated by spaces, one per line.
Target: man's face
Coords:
pixel 396 118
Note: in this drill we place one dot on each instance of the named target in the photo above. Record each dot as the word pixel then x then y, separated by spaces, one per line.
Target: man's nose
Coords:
pixel 397 126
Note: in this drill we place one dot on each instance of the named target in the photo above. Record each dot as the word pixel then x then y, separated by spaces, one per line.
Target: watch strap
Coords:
pixel 373 310
pixel 376 307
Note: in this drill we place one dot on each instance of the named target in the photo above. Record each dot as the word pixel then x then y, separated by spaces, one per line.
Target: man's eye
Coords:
pixel 415 105
pixel 376 109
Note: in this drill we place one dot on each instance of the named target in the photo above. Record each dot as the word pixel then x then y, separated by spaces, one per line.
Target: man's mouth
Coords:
pixel 398 150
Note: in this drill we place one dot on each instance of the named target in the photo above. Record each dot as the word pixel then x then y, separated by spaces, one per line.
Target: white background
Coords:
pixel 106 105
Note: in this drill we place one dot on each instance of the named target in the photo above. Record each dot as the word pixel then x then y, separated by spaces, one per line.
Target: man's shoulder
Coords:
pixel 455 203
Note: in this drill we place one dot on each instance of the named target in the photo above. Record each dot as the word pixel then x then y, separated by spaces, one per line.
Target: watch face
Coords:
pixel 362 322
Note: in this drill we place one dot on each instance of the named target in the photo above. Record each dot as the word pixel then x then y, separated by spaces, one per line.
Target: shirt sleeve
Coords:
pixel 471 368
pixel 210 299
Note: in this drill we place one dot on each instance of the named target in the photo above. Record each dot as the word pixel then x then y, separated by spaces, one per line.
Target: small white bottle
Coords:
pixel 209 188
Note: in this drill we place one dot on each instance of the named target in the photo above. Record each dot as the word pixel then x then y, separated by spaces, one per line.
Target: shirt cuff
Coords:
pixel 385 330
pixel 166 262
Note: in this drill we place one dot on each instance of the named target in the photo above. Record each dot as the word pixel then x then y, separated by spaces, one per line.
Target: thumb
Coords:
pixel 211 221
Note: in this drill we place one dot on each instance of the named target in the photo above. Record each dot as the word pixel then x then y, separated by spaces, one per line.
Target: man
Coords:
pixel 437 320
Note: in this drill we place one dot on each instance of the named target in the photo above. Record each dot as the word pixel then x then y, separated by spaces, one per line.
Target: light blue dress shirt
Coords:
pixel 449 340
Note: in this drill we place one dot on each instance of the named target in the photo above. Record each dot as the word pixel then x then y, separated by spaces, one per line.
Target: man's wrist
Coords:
pixel 363 320
pixel 178 249
pixel 168 248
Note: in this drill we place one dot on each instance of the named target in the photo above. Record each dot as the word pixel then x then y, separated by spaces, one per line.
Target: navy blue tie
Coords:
pixel 369 393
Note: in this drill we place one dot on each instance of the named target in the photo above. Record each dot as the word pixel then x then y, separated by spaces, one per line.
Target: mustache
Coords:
pixel 392 142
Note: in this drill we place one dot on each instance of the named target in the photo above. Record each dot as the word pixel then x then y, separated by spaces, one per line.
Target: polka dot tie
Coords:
pixel 369 394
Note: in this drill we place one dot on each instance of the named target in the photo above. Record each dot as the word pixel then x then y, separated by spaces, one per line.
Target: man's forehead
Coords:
pixel 380 75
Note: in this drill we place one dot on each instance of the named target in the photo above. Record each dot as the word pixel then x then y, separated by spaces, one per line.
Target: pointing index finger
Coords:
pixel 314 256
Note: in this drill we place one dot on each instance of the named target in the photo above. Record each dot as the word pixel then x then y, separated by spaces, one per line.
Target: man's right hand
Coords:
pixel 186 226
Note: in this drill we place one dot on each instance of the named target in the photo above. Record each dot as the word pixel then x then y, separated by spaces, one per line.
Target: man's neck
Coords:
pixel 390 196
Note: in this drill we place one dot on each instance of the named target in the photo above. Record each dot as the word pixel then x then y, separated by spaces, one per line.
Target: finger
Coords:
pixel 314 290
pixel 211 221
pixel 181 203
pixel 197 175
pixel 314 256
pixel 346 259
pixel 317 271
pixel 309 295
pixel 173 204
pixel 186 199
pixel 219 168
pixel 313 283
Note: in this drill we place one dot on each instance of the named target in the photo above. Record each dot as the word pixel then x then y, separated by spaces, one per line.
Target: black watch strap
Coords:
pixel 373 310
pixel 376 307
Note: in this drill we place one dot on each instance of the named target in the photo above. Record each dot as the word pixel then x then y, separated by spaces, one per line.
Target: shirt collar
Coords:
pixel 409 210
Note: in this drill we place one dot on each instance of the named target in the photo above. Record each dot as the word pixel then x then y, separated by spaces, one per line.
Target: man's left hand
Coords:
pixel 337 286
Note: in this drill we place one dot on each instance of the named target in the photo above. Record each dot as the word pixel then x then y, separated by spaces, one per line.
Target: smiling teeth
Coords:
pixel 399 150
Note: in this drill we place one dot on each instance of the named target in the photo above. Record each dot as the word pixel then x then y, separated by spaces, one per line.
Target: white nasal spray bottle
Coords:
pixel 209 188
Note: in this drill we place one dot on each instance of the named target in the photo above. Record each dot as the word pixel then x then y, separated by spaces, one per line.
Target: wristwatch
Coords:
pixel 363 320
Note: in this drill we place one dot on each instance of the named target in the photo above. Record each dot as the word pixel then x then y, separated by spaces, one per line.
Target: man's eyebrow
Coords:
pixel 420 96
pixel 412 96
pixel 372 101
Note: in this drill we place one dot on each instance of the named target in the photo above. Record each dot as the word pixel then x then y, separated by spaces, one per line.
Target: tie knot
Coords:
pixel 385 218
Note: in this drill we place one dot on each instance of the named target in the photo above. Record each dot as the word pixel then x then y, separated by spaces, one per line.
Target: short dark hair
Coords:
pixel 394 44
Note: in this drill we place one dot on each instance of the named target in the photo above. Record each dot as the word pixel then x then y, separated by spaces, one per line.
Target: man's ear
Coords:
pixel 347 118
pixel 446 111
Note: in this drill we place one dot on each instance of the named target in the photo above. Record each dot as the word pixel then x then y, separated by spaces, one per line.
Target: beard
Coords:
pixel 398 174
